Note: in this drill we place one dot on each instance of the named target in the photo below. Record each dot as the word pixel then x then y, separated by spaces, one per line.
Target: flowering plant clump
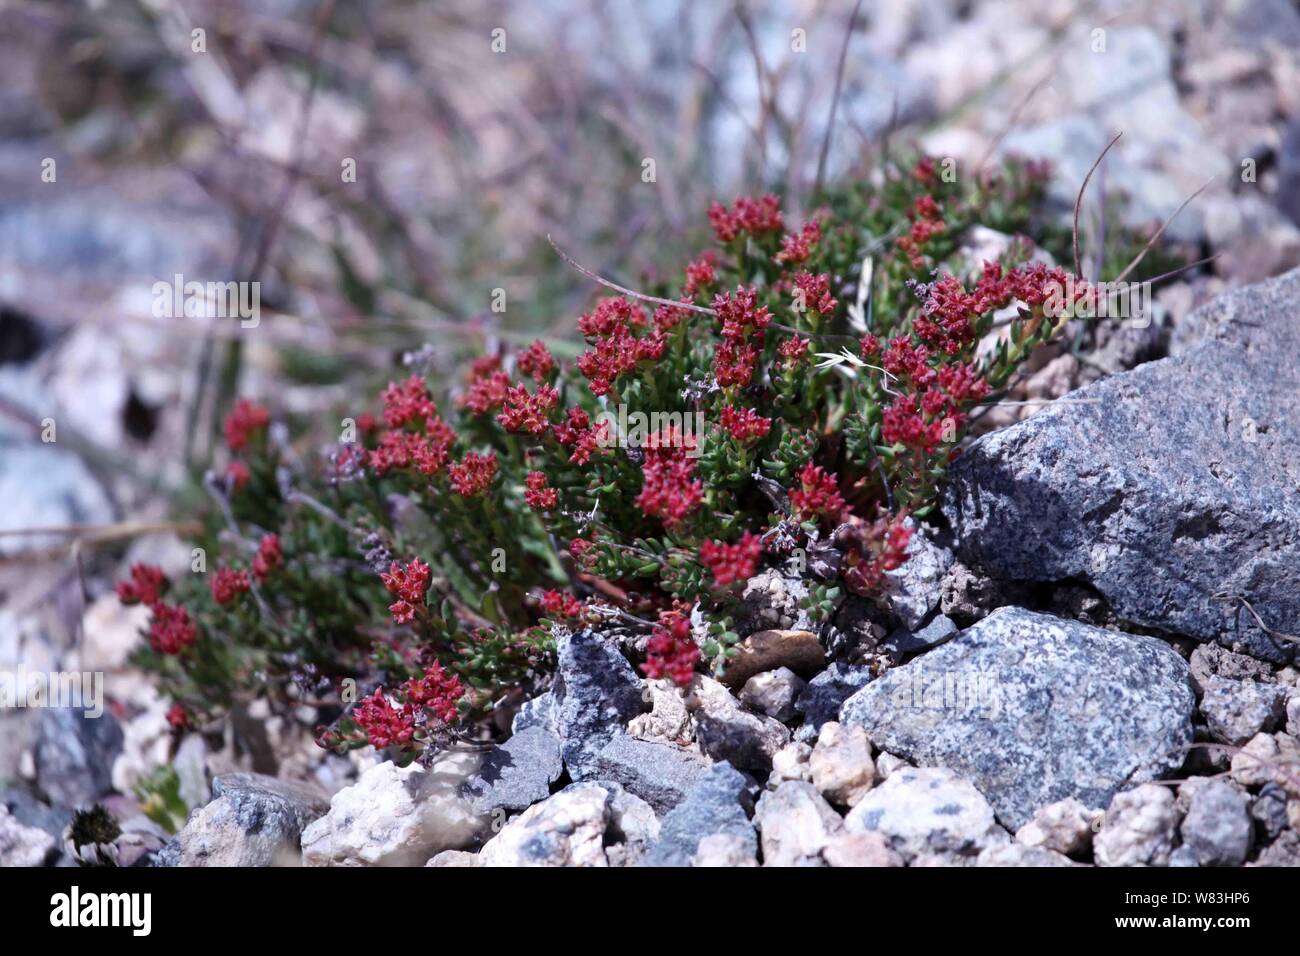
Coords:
pixel 803 384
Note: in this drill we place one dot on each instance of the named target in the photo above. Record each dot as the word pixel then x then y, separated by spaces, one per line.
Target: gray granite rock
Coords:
pixel 913 590
pixel 1268 810
pixel 795 825
pixel 518 773
pixel 660 773
pixel 1218 826
pixel 718 803
pixel 22 845
pixel 1170 487
pixel 596 692
pixel 821 700
pixel 928 812
pixel 726 731
pixel 1033 709
pixel 74 755
pixel 904 643
pixel 1236 710
pixel 253 820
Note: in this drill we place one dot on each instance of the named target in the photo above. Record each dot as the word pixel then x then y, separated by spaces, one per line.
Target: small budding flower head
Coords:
pixel 561 604
pixel 538 495
pixel 245 420
pixel 672 653
pixel 384 725
pixel 732 562
pixel 228 584
pixel 238 474
pixel 409 585
pixel 177 717
pixel 269 557
pixel 817 495
pixel 536 361
pixel 474 474
pixel 171 630
pixel 146 586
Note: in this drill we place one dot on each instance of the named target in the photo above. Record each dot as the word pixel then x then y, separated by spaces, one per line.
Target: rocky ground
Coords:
pixel 1089 660
pixel 1093 663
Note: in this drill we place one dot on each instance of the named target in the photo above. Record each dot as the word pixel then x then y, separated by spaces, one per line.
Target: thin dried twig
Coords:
pixel 835 100
pixel 1160 232
pixel 1241 598
pixel 1078 202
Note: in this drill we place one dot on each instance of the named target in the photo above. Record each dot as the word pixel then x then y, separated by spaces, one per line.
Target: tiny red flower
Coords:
pixel 177 717
pixel 672 653
pixel 383 723
pixel 561 604
pixel 538 495
pixel 171 630
pixel 474 473
pixel 268 557
pixel 238 474
pixel 536 361
pixel 732 562
pixel 146 586
pixel 437 691
pixel 744 424
pixel 818 494
pixel 409 585
pixel 244 421
pixel 228 584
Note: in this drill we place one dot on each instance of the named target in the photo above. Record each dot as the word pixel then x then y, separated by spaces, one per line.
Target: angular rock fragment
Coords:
pixel 1171 489
pixel 1033 709
pixel 928 812
pixel 253 820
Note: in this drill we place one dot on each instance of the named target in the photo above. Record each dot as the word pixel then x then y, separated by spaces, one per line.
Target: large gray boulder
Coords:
pixel 1174 489
pixel 1033 709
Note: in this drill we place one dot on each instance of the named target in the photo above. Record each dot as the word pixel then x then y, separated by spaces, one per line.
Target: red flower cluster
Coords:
pixel 177 717
pixel 792 351
pixel 672 653
pixel 616 347
pixel 487 386
pixel 701 274
pixel 243 422
pixel 383 723
pixel 744 424
pixel 577 432
pixel 170 627
pixel 669 490
pixel 536 361
pixel 538 494
pixel 561 604
pixel 871 549
pixel 408 402
pixel 743 323
pixel 437 691
pixel 756 217
pixel 732 562
pixel 815 292
pixel 171 630
pixel 238 474
pixel 227 584
pixel 474 473
pixel 818 494
pixel 927 222
pixel 796 248
pixel 409 585
pixel 268 557
pixel 146 586
pixel 526 413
